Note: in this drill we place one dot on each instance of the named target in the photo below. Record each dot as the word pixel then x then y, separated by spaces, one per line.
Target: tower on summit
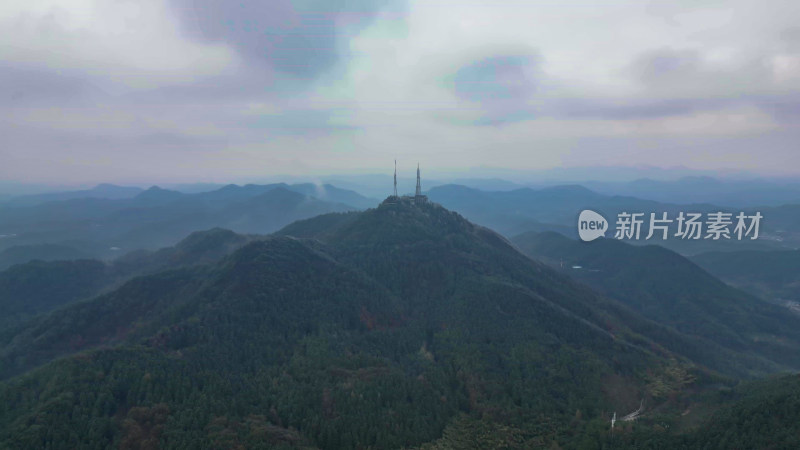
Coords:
pixel 394 198
pixel 419 186
pixel 418 197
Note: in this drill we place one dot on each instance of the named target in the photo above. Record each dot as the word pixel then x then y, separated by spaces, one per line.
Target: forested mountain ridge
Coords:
pixel 43 252
pixel 40 286
pixel 772 274
pixel 377 232
pixel 668 288
pixel 384 332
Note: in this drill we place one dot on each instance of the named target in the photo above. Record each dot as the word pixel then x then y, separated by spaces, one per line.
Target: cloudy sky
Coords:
pixel 223 90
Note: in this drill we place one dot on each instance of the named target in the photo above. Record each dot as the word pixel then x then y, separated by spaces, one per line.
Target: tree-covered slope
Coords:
pixel 278 330
pixel 39 287
pixel 670 289
pixel 392 330
pixel 765 414
pixel 44 252
pixel 772 274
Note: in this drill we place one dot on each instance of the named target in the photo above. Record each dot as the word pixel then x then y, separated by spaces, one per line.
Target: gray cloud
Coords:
pixel 506 86
pixel 36 138
pixel 302 122
pixel 215 90
pixel 666 66
pixel 29 85
pixel 496 78
pixel 626 109
pixel 502 84
pixel 299 38
pixel 791 38
pixel 785 108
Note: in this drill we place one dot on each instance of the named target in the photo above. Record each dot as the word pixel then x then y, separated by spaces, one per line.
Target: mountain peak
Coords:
pixel 158 195
pixel 404 224
pixel 568 189
pixel 404 210
pixel 157 191
pixel 201 241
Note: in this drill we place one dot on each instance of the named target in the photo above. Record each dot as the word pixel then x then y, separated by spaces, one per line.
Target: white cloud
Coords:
pixel 587 48
pixel 133 42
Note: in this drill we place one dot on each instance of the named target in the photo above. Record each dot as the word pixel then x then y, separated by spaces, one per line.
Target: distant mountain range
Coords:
pixel 668 186
pixel 58 226
pixel 106 227
pixel 557 208
pixel 679 187
pixel 104 223
pixel 705 189
pixel 107 191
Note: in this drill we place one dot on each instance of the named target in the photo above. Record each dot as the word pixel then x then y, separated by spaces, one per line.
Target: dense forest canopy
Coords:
pixel 403 326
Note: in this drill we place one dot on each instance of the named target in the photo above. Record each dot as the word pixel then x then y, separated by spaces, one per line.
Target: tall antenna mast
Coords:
pixel 418 197
pixel 419 185
pixel 395 178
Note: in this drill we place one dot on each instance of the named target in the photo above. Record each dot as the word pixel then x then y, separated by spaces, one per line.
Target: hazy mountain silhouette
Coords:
pixel 105 228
